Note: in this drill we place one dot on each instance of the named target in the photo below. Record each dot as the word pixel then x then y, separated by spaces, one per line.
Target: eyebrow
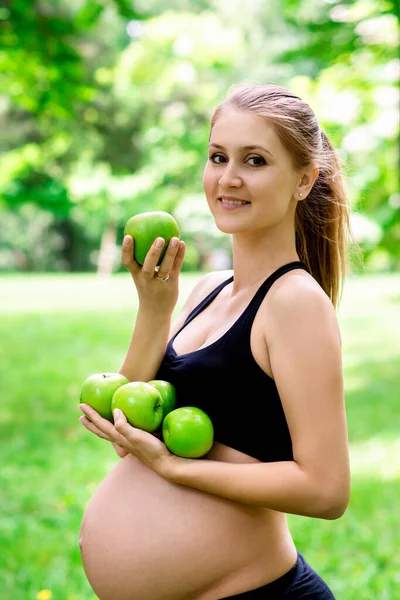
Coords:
pixel 255 147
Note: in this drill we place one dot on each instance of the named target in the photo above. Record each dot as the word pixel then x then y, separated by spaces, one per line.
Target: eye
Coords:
pixel 217 159
pixel 258 161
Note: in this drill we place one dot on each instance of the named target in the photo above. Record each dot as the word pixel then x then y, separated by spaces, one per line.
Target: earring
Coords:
pixel 300 194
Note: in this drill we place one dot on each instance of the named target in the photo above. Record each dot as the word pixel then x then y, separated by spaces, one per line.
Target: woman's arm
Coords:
pixel 157 300
pixel 304 351
pixel 147 345
pixel 282 486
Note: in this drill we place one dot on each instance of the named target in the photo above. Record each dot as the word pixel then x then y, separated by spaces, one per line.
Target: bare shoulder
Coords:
pixel 204 286
pixel 295 301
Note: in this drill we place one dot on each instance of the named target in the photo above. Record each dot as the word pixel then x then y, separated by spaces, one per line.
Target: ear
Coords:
pixel 307 180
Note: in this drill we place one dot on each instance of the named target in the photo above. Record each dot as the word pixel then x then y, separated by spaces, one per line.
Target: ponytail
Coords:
pixel 322 225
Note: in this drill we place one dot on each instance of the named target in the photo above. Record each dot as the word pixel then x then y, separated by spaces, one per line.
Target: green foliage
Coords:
pixel 28 240
pixel 105 106
pixel 41 71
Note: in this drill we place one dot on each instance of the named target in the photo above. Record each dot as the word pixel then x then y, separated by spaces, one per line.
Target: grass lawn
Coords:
pixel 58 329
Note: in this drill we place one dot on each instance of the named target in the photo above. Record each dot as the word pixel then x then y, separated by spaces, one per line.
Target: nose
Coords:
pixel 230 177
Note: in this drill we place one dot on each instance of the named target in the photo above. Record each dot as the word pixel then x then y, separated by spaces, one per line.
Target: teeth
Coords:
pixel 233 201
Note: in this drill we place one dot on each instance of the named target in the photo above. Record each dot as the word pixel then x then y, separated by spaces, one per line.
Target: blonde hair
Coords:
pixel 322 225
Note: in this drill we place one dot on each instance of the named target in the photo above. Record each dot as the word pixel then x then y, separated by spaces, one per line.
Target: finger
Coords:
pixel 152 257
pixel 179 257
pixel 169 258
pixel 102 425
pixel 119 417
pixel 122 452
pixel 132 434
pixel 92 427
pixel 127 256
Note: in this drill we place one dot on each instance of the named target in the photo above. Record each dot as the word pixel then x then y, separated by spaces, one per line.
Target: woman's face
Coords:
pixel 249 179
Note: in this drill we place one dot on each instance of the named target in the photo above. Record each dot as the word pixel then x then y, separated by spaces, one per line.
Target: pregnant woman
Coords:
pixel 258 348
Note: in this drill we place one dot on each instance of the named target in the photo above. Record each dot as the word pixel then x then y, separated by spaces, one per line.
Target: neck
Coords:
pixel 255 257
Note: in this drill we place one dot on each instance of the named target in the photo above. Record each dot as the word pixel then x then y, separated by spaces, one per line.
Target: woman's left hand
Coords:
pixel 147 447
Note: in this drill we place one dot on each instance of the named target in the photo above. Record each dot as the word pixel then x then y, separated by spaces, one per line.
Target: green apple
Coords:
pixel 141 403
pixel 168 394
pixel 188 432
pixel 98 389
pixel 146 227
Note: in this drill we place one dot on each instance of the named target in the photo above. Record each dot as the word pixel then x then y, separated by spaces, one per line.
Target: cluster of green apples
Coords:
pixel 187 431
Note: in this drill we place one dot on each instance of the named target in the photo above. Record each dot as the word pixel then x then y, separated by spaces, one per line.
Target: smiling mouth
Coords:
pixel 237 202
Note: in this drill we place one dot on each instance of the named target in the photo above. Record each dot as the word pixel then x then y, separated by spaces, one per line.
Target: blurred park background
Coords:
pixel 104 112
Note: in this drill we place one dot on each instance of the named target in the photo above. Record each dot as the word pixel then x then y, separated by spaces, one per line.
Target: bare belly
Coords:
pixel 144 538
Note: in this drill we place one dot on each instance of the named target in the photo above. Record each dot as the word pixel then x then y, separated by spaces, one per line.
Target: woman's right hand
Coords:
pixel 157 289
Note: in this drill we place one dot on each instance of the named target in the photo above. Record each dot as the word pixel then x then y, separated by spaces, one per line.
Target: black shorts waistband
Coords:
pixel 276 587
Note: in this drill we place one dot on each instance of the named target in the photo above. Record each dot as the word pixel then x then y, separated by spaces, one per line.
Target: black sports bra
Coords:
pixel 224 380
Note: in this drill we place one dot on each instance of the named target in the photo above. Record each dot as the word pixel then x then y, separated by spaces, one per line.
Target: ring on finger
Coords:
pixel 162 278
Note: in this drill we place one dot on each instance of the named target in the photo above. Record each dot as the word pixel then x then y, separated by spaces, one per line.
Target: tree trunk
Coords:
pixel 108 251
pixel 68 251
